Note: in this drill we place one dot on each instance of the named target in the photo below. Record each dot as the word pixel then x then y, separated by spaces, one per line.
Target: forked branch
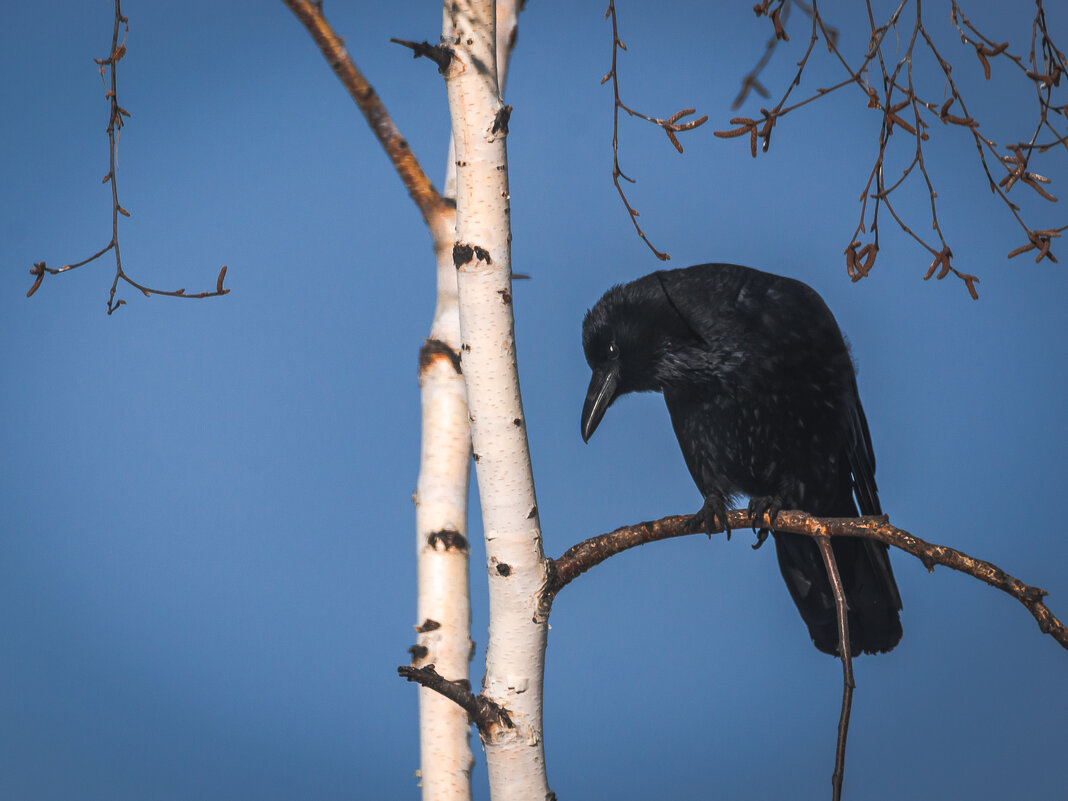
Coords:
pixel 890 87
pixel 116 120
pixel 671 126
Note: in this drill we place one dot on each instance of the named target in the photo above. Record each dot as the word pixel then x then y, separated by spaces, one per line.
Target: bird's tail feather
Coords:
pixel 871 592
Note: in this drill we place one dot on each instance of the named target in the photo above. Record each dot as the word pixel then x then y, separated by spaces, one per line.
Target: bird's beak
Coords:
pixel 604 386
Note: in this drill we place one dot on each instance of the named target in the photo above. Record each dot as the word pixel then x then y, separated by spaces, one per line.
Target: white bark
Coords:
pixel 443 607
pixel 516 563
pixel 441 506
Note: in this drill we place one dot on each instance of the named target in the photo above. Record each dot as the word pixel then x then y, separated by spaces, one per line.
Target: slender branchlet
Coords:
pixel 671 126
pixel 890 87
pixel 109 69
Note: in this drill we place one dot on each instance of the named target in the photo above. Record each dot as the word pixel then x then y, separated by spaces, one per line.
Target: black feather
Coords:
pixel 763 399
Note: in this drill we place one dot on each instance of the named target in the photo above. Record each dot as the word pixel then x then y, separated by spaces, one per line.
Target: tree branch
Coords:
pixel 484 713
pixel 889 87
pixel 422 190
pixel 670 126
pixel 439 54
pixel 589 553
pixel 116 120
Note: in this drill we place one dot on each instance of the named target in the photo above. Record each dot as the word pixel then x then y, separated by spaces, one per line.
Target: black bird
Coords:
pixel 763 399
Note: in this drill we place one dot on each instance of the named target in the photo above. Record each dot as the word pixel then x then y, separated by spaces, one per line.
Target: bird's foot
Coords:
pixel 713 517
pixel 769 505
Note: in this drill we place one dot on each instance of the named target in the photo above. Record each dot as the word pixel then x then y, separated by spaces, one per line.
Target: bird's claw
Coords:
pixel 713 517
pixel 769 505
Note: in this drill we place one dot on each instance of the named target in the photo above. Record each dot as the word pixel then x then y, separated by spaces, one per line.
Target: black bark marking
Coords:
pixel 433 348
pixel 500 122
pixel 447 539
pixel 418 652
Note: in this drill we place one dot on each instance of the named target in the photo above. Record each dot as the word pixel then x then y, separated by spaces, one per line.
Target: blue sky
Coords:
pixel 206 533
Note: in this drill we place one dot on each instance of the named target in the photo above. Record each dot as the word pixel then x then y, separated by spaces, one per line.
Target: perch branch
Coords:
pixel 589 553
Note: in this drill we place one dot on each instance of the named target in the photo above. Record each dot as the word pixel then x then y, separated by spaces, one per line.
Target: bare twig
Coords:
pixel 589 553
pixel 848 685
pixel 778 16
pixel 488 716
pixel 422 190
pixel 893 92
pixel 439 53
pixel 671 126
pixel 116 120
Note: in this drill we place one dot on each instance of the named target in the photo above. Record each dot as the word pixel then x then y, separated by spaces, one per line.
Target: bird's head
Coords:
pixel 621 338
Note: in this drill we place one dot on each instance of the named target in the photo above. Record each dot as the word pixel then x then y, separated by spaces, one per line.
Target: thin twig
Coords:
pixel 848 685
pixel 894 93
pixel 779 17
pixel 671 126
pixel 116 120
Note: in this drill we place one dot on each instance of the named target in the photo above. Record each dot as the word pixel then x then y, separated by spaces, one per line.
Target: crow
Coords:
pixel 763 398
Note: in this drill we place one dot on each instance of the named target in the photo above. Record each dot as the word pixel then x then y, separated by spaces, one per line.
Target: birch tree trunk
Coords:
pixel 482 257
pixel 442 553
pixel 443 604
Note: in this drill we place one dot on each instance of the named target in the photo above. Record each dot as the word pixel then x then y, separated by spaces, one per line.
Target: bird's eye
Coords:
pixel 613 351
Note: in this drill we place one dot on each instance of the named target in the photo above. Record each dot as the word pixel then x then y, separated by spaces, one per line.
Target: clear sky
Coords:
pixel 206 532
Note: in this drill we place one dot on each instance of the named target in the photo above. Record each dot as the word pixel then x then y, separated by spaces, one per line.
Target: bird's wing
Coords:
pixel 714 297
pixel 764 308
pixel 862 466
pixel 862 459
pixel 789 333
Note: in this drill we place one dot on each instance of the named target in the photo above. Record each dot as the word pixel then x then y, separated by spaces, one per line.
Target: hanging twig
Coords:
pixel 848 685
pixel 779 16
pixel 115 123
pixel 895 94
pixel 671 126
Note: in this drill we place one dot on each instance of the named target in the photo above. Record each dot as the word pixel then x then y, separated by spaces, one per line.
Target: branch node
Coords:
pixel 487 715
pixel 440 54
